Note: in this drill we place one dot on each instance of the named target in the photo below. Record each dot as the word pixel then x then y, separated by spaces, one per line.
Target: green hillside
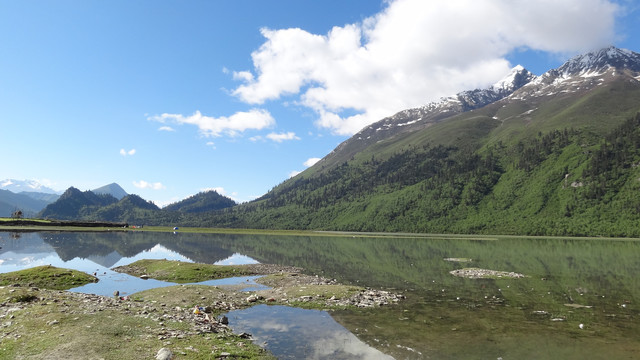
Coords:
pixel 563 165
pixel 557 156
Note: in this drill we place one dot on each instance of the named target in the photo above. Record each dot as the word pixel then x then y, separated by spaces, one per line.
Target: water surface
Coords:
pixel 580 297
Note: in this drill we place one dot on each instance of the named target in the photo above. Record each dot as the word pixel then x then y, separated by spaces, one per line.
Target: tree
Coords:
pixel 16 214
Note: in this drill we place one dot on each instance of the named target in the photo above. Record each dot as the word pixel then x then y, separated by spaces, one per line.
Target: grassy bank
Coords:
pixel 41 323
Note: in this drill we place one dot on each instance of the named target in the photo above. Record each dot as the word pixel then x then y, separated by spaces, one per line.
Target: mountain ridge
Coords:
pixel 448 175
pixel 538 155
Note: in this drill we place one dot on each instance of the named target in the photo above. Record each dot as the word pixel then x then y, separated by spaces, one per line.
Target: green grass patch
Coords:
pixel 47 277
pixel 183 272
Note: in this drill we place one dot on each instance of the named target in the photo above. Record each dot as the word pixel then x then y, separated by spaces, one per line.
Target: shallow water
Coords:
pixel 444 317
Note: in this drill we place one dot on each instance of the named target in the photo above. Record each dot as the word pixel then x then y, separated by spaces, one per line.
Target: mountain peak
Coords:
pixel 112 189
pixel 517 77
pixel 17 186
pixel 600 61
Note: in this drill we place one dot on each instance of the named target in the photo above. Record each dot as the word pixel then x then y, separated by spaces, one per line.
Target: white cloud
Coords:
pixel 147 185
pixel 311 161
pixel 282 137
pixel 166 128
pixel 294 173
pixel 255 119
pixel 413 52
pixel 223 192
pixel 308 163
pixel 124 152
pixel 219 190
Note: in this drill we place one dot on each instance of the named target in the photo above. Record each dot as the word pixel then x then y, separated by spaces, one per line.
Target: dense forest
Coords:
pixel 564 182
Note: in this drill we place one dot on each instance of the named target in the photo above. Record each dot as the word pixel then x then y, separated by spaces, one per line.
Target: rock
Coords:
pixel 144 277
pixel 164 354
pixel 224 320
pixel 116 293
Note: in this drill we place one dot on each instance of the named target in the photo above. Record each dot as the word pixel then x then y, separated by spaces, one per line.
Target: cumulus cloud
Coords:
pixel 124 152
pixel 413 52
pixel 308 163
pixel 282 137
pixel 255 119
pixel 147 185
pixel 311 161
pixel 166 128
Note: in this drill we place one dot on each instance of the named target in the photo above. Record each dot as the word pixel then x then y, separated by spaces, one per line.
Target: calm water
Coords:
pixel 580 299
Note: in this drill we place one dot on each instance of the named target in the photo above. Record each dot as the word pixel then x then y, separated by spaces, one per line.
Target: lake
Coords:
pixel 579 297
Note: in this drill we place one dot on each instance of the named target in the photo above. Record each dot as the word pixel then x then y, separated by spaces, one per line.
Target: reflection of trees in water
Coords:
pixel 15 235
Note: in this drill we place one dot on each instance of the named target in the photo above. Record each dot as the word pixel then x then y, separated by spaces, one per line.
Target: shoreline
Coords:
pixel 183 319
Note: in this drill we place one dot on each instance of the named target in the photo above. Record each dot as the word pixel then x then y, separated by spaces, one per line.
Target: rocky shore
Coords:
pixel 163 322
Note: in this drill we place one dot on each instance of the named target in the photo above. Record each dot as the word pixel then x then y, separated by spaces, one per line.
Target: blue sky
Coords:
pixel 169 98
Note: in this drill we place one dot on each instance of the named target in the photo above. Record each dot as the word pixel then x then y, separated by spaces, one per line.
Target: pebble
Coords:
pixel 164 354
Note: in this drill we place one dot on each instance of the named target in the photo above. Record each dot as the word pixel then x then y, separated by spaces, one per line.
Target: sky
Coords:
pixel 169 98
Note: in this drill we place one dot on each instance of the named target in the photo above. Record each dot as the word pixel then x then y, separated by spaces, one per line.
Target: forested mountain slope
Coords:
pixel 557 155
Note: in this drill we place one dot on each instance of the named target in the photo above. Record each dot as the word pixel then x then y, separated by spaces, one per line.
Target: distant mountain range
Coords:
pixel 555 154
pixel 101 204
pixel 31 197
pixel 18 186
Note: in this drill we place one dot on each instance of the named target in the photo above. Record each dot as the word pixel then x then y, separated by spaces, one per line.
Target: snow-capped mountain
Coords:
pixel 419 118
pixel 17 186
pixel 578 75
pixel 583 73
pixel 598 62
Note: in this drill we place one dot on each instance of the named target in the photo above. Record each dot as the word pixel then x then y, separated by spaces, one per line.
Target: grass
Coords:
pixel 50 330
pixel 184 272
pixel 47 277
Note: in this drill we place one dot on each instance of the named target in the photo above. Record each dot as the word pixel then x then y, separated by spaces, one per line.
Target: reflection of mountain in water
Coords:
pixel 107 248
pixel 106 260
pixel 25 243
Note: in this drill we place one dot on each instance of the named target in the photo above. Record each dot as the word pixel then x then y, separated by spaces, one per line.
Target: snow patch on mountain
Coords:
pixel 17 186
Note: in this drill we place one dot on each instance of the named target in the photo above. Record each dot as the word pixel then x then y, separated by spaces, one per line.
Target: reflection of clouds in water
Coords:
pixel 237 259
pixel 292 333
pixel 22 262
pixel 273 326
pixel 344 346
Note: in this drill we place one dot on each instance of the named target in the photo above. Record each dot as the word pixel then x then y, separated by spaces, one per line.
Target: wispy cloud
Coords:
pixel 416 50
pixel 166 128
pixel 124 152
pixel 233 125
pixel 282 137
pixel 148 185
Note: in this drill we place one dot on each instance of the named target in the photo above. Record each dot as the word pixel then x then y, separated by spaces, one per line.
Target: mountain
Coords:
pixel 17 186
pixel 417 119
pixel 112 189
pixel 555 154
pixel 130 208
pixel 73 204
pixel 10 202
pixel 202 202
